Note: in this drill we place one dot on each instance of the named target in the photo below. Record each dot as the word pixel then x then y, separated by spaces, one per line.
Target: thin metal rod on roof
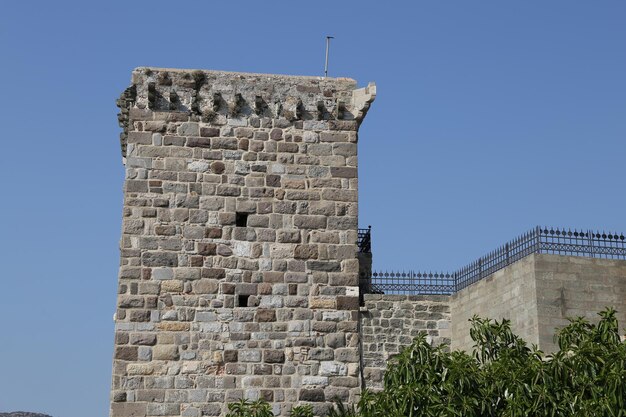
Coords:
pixel 328 38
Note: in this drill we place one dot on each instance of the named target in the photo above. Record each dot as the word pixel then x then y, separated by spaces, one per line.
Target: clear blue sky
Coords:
pixel 491 117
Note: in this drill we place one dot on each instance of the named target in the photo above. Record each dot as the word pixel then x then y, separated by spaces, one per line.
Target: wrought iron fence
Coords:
pixel 539 240
pixel 365 240
pixel 410 282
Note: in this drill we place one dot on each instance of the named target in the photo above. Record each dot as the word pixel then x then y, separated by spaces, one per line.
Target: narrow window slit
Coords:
pixel 241 219
pixel 243 300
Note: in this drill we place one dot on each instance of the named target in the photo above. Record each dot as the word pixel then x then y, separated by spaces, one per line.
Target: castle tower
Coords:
pixel 239 269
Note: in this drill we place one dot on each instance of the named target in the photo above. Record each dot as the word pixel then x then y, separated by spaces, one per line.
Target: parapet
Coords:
pixel 217 96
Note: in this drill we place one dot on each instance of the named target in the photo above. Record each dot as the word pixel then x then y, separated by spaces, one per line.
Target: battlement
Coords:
pixel 222 98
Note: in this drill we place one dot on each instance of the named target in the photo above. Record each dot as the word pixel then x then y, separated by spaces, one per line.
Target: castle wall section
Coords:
pixel 509 293
pixel 538 294
pixel 391 322
pixel 239 269
pixel 239 266
pixel 569 286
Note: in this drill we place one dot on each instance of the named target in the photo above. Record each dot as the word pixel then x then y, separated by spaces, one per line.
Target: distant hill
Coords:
pixel 23 414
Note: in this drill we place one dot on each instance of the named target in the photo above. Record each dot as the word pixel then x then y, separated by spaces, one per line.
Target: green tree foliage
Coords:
pixel 246 408
pixel 261 408
pixel 505 377
pixel 502 377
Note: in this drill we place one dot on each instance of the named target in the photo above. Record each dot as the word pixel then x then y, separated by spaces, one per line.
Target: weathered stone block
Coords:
pixel 189 129
pixel 339 393
pixel 273 356
pixel 165 230
pixel 288 236
pixel 206 249
pixel 310 222
pixel 146 339
pixel 231 356
pixel 345 381
pixel 159 259
pixel 347 303
pixel 162 273
pixel 323 302
pixel 326 266
pixel 214 409
pixel 209 131
pixel 128 409
pixel 197 142
pixel 306 252
pixel 206 286
pixel 131 302
pixel 265 315
pixel 335 340
pixel 216 273
pixel 333 369
pixel 165 352
pixel 173 326
pixel 249 355
pixel 155 409
pixel 126 353
pixel 347 354
pixel 171 286
pixel 343 172
pixel 150 395
pixel 315 380
pixel 313 395
pixel 139 315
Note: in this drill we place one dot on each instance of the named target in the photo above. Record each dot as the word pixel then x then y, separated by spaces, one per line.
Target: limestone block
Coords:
pixel 128 409
pixel 315 380
pixel 328 368
pixel 165 352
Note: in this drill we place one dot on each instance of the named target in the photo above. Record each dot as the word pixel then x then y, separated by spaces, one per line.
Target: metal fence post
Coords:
pixel 508 257
pixel 538 239
pixel 456 281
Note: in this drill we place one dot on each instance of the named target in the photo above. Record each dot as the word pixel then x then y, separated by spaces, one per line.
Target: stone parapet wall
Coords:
pixel 390 322
pixel 239 269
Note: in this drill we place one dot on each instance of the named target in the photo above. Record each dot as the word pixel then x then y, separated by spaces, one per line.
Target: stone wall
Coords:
pixel 508 293
pixel 538 294
pixel 391 322
pixel 569 286
pixel 239 269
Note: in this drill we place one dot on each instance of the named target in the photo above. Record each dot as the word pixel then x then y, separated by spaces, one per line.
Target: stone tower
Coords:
pixel 239 269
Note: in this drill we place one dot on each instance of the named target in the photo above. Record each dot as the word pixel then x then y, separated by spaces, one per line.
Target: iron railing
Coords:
pixel 410 282
pixel 365 240
pixel 539 240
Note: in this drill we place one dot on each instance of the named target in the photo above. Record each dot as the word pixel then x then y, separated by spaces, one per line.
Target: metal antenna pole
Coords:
pixel 328 38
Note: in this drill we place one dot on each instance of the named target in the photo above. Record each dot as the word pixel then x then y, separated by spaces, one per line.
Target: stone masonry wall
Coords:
pixel 569 286
pixel 391 322
pixel 539 293
pixel 239 270
pixel 508 293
